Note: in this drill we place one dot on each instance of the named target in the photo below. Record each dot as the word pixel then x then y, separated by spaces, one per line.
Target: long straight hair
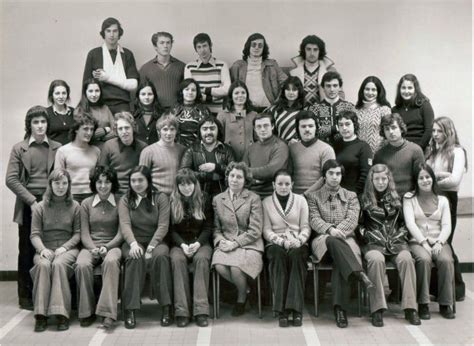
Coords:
pixel 446 149
pixel 84 103
pixel 57 175
pixel 381 93
pixel 186 176
pixel 369 196
pixel 139 107
pixel 282 102
pixel 150 191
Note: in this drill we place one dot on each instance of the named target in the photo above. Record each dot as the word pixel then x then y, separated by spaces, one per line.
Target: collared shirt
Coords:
pixel 212 61
pixel 140 198
pixel 32 139
pixel 234 196
pixel 170 62
pixel 97 200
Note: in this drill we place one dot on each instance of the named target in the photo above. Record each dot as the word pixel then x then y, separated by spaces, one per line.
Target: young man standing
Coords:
pixel 211 74
pixel 164 71
pixel 114 66
pixel 330 107
pixel 31 162
pixel 266 156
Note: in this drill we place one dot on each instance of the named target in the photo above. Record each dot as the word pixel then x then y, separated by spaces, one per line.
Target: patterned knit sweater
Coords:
pixel 369 123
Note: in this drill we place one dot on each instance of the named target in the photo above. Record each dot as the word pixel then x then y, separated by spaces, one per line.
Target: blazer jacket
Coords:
pixel 240 221
pixel 18 174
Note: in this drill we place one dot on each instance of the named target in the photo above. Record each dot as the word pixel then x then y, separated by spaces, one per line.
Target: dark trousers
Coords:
pixel 453 207
pixel 26 253
pixel 288 276
pixel 160 276
pixel 120 107
pixel 344 265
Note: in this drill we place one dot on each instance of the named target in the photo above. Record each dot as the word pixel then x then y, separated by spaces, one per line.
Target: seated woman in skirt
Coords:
pixel 238 233
pixel 55 234
pixel 190 229
pixel 101 240
pixel 286 230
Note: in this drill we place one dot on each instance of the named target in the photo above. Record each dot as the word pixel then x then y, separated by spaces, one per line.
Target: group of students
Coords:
pixel 164 188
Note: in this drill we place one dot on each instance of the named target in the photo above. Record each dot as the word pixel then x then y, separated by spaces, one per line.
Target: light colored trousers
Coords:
pixel 108 299
pixel 445 264
pixel 201 263
pixel 51 291
pixel 376 272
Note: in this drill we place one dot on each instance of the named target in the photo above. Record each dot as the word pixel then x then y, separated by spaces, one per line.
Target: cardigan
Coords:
pixel 328 209
pixel 272 76
pixel 238 131
pixel 239 221
pixel 18 174
pixel 291 223
pixel 451 179
pixel 142 225
pixel 421 226
pixel 100 223
pixel 56 225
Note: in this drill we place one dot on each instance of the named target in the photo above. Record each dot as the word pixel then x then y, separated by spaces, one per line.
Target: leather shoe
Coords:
pixel 182 321
pixel 166 319
pixel 130 321
pixel 86 322
pixel 377 318
pixel 424 311
pixel 297 319
pixel 26 304
pixel 283 319
pixel 41 323
pixel 369 286
pixel 107 323
pixel 446 312
pixel 411 315
pixel 238 310
pixel 63 323
pixel 341 317
pixel 201 321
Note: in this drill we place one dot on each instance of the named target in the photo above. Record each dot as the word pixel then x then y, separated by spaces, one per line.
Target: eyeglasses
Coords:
pixel 256 45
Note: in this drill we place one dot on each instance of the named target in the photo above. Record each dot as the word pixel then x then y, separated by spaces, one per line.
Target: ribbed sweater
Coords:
pixel 56 225
pixel 402 161
pixel 99 224
pixel 122 158
pixel 356 157
pixel 142 225
pixel 307 163
pixel 79 162
pixel 163 160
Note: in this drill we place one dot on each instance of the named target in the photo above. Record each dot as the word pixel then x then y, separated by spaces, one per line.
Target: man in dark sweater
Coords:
pixel 266 156
pixel 164 71
pixel 122 153
pixel 114 66
pixel 31 162
pixel 399 154
pixel 209 157
pixel 330 107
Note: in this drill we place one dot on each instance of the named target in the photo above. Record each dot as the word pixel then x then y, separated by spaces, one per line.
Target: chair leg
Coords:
pixel 214 293
pixel 359 298
pixel 454 296
pixel 218 308
pixel 316 291
pixel 259 296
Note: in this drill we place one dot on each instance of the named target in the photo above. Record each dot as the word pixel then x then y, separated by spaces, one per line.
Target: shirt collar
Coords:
pixel 97 200
pixel 140 198
pixel 32 139
pixel 326 194
pixel 218 144
pixel 211 61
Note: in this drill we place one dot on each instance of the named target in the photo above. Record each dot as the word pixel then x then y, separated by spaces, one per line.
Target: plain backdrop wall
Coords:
pixel 42 41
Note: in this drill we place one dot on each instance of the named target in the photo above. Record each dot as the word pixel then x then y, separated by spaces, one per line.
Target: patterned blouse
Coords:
pixel 285 125
pixel 369 124
pixel 188 122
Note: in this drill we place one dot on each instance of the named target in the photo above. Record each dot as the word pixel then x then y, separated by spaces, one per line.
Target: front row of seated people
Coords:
pixel 171 236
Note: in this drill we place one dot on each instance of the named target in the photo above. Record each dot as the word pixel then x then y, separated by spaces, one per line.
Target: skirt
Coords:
pixel 247 260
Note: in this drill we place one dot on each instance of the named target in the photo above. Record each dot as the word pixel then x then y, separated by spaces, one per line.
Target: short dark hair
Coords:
pixel 284 172
pixel 109 173
pixel 305 114
pixel 352 116
pixel 108 23
pixel 154 37
pixel 388 119
pixel 253 37
pixel 183 85
pixel 201 38
pixel 229 102
pixel 35 112
pixel 209 118
pixel 330 164
pixel 313 39
pixel 329 76
pixel 81 118
pixel 55 83
pixel 264 115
